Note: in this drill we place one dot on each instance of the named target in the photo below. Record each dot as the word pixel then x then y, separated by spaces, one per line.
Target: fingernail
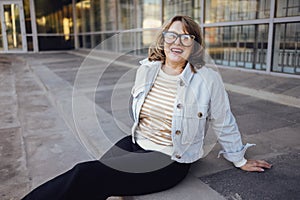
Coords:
pixel 262 170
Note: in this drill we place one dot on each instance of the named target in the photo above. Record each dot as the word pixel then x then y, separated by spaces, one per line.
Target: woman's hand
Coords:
pixel 256 166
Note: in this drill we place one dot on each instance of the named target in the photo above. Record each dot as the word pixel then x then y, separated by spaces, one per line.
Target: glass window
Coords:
pixel 96 15
pixel 83 10
pixel 150 12
pixel 235 10
pixel 178 7
pixel 110 9
pixel 27 16
pixel 78 17
pixel 29 43
pixel 127 41
pixel 126 17
pixel 85 41
pixel 238 46
pixel 54 16
pixel 287 8
pixel 197 10
pixel 286 55
pixel 148 38
pixel 47 43
pixel 108 42
pixel 13 26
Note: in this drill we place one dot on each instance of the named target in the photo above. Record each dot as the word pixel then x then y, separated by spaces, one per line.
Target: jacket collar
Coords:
pixel 187 74
pixel 154 67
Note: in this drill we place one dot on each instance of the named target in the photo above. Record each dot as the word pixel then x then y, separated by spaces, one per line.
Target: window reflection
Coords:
pixel 126 18
pixel 151 18
pixel 117 15
pixel 51 20
pixel 286 56
pixel 238 46
pixel 288 8
pixel 27 16
pixel 234 10
pixel 54 18
pixel 96 15
pixel 13 26
pixel 150 13
pixel 83 18
pixel 178 7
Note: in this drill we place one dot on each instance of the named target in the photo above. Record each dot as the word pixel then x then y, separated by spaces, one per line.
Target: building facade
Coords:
pixel 261 35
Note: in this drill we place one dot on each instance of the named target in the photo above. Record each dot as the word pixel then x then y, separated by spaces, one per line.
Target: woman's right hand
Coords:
pixel 256 166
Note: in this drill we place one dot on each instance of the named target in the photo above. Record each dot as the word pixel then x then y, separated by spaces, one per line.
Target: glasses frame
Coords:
pixel 178 35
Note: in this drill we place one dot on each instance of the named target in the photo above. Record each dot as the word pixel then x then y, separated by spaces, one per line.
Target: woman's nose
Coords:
pixel 177 41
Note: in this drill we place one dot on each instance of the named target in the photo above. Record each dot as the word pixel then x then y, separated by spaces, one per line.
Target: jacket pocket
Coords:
pixel 194 121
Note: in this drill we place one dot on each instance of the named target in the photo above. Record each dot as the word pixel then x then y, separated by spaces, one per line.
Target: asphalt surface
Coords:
pixel 52 105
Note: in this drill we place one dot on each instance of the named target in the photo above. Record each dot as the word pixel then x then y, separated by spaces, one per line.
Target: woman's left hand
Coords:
pixel 256 166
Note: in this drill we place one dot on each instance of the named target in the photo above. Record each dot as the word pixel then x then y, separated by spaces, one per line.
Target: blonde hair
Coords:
pixel 196 58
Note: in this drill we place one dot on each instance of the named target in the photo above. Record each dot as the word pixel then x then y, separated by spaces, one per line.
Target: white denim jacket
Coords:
pixel 201 97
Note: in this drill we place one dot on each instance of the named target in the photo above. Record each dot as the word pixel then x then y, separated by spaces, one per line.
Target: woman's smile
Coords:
pixel 176 50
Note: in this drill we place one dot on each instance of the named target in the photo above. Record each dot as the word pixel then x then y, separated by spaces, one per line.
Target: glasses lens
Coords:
pixel 186 40
pixel 170 37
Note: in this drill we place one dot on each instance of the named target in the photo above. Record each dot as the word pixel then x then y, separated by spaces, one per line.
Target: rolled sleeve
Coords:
pixel 235 157
pixel 240 163
pixel 224 124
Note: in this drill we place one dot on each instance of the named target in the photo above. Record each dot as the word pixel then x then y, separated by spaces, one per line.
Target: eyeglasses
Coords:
pixel 185 39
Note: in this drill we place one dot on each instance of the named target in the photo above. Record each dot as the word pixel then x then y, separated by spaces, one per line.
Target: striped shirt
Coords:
pixel 155 121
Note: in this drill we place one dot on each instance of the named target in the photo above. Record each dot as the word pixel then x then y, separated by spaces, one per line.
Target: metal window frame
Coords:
pixel 33 27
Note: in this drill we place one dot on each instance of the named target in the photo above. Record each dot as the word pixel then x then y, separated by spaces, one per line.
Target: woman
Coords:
pixel 174 96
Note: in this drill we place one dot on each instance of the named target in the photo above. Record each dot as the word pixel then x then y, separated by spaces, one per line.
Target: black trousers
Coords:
pixel 125 170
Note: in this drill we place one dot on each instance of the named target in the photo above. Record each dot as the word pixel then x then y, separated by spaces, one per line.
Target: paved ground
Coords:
pixel 46 126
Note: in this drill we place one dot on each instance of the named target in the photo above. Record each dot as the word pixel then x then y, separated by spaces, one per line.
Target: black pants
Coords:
pixel 125 170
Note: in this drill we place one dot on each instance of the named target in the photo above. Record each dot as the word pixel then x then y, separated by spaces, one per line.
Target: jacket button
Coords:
pixel 179 106
pixel 200 114
pixel 181 83
pixel 178 156
pixel 178 132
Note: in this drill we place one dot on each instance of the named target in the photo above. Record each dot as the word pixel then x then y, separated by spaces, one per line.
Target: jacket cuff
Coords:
pixel 235 156
pixel 240 163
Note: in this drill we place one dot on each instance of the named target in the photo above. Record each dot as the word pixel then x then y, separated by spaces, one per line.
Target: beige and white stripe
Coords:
pixel 156 114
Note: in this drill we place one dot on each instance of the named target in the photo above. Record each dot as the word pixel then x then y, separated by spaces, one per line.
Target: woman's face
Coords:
pixel 177 53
